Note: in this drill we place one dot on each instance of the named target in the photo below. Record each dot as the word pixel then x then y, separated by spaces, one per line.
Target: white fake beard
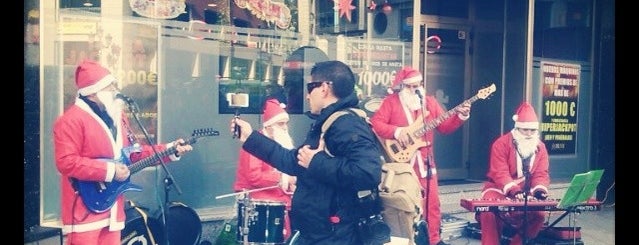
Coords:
pixel 112 106
pixel 411 99
pixel 526 145
pixel 282 137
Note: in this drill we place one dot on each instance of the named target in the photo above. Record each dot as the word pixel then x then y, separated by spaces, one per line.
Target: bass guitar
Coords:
pixel 403 153
pixel 100 196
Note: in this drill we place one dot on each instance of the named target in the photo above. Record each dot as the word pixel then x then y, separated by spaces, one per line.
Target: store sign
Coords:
pixel 560 88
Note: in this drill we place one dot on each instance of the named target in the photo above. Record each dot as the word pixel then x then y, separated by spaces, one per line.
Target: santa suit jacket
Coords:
pixel 505 171
pixel 82 142
pixel 253 173
pixel 391 115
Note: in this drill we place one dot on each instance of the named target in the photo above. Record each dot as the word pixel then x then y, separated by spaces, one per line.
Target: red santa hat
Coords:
pixel 526 117
pixel 91 77
pixel 273 112
pixel 406 75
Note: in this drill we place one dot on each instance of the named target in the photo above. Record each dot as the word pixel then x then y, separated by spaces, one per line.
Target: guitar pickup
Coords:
pixel 394 148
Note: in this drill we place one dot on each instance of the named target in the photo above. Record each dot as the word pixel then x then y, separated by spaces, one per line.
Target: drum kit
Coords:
pixel 259 221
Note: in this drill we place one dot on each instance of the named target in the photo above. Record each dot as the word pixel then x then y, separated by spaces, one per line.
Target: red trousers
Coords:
pixel 431 207
pixel 97 237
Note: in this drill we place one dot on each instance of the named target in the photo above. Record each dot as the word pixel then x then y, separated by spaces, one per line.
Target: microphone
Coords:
pixel 124 98
pixel 419 94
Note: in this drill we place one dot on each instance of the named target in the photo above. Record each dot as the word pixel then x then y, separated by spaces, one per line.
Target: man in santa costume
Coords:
pixel 518 169
pixel 404 106
pixel 89 139
pixel 407 103
pixel 253 173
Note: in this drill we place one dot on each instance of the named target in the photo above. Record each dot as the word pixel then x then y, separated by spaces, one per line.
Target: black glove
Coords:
pixel 514 191
pixel 541 195
pixel 516 195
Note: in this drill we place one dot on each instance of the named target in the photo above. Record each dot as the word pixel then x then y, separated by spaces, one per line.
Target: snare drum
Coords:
pixel 184 225
pixel 260 221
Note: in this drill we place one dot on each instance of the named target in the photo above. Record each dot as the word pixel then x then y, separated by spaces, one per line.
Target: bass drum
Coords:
pixel 184 225
pixel 371 104
pixel 141 229
pixel 260 222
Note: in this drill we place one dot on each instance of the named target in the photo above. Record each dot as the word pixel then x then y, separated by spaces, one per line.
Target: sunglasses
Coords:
pixel 412 86
pixel 312 85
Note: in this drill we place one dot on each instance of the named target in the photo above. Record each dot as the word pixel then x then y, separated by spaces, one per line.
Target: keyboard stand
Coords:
pixel 572 212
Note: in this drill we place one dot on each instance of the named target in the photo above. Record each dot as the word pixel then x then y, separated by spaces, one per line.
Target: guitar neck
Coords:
pixel 153 159
pixel 437 121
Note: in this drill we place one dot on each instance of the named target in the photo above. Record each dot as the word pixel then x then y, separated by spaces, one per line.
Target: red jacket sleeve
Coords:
pixel 382 119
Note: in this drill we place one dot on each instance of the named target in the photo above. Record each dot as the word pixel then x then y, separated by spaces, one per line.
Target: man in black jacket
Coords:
pixel 325 208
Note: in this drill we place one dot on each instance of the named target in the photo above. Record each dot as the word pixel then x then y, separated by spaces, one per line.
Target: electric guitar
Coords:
pixel 399 153
pixel 100 196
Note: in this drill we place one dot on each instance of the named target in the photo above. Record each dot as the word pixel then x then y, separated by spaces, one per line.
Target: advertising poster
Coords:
pixel 560 89
pixel 138 75
pixel 375 64
pixel 128 51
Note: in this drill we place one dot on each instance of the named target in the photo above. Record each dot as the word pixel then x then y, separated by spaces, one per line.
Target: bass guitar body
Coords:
pixel 403 153
pixel 100 196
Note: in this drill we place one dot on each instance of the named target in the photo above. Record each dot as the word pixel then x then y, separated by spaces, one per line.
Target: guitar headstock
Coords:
pixel 485 92
pixel 205 132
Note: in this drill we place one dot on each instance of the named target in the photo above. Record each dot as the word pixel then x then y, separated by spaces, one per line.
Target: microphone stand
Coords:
pixel 526 167
pixel 168 180
pixel 427 162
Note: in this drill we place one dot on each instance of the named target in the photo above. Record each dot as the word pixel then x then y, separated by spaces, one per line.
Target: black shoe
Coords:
pixel 442 243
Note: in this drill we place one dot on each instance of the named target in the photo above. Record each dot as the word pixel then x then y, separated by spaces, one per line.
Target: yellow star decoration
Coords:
pixel 345 8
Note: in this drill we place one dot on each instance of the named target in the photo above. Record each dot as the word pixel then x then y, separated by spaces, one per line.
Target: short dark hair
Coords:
pixel 337 72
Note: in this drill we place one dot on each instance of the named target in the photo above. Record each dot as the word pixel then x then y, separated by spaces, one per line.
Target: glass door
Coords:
pixel 445 48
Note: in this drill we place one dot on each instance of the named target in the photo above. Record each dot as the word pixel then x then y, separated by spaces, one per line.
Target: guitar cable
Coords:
pixel 606 195
pixel 75 200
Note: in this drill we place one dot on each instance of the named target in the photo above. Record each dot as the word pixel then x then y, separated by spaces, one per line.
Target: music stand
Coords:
pixel 582 188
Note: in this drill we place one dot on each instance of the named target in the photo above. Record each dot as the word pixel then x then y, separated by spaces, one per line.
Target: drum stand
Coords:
pixel 246 210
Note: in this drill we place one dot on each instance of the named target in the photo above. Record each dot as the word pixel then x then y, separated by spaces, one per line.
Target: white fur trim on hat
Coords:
pixel 99 85
pixel 533 125
pixel 276 118
pixel 413 79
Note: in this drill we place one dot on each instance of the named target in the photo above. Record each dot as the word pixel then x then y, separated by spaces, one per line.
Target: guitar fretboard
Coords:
pixel 435 122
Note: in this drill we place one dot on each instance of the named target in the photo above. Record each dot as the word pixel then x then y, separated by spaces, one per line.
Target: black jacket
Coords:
pixel 329 186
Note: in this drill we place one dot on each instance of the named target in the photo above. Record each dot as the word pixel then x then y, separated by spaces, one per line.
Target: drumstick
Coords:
pixel 248 191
